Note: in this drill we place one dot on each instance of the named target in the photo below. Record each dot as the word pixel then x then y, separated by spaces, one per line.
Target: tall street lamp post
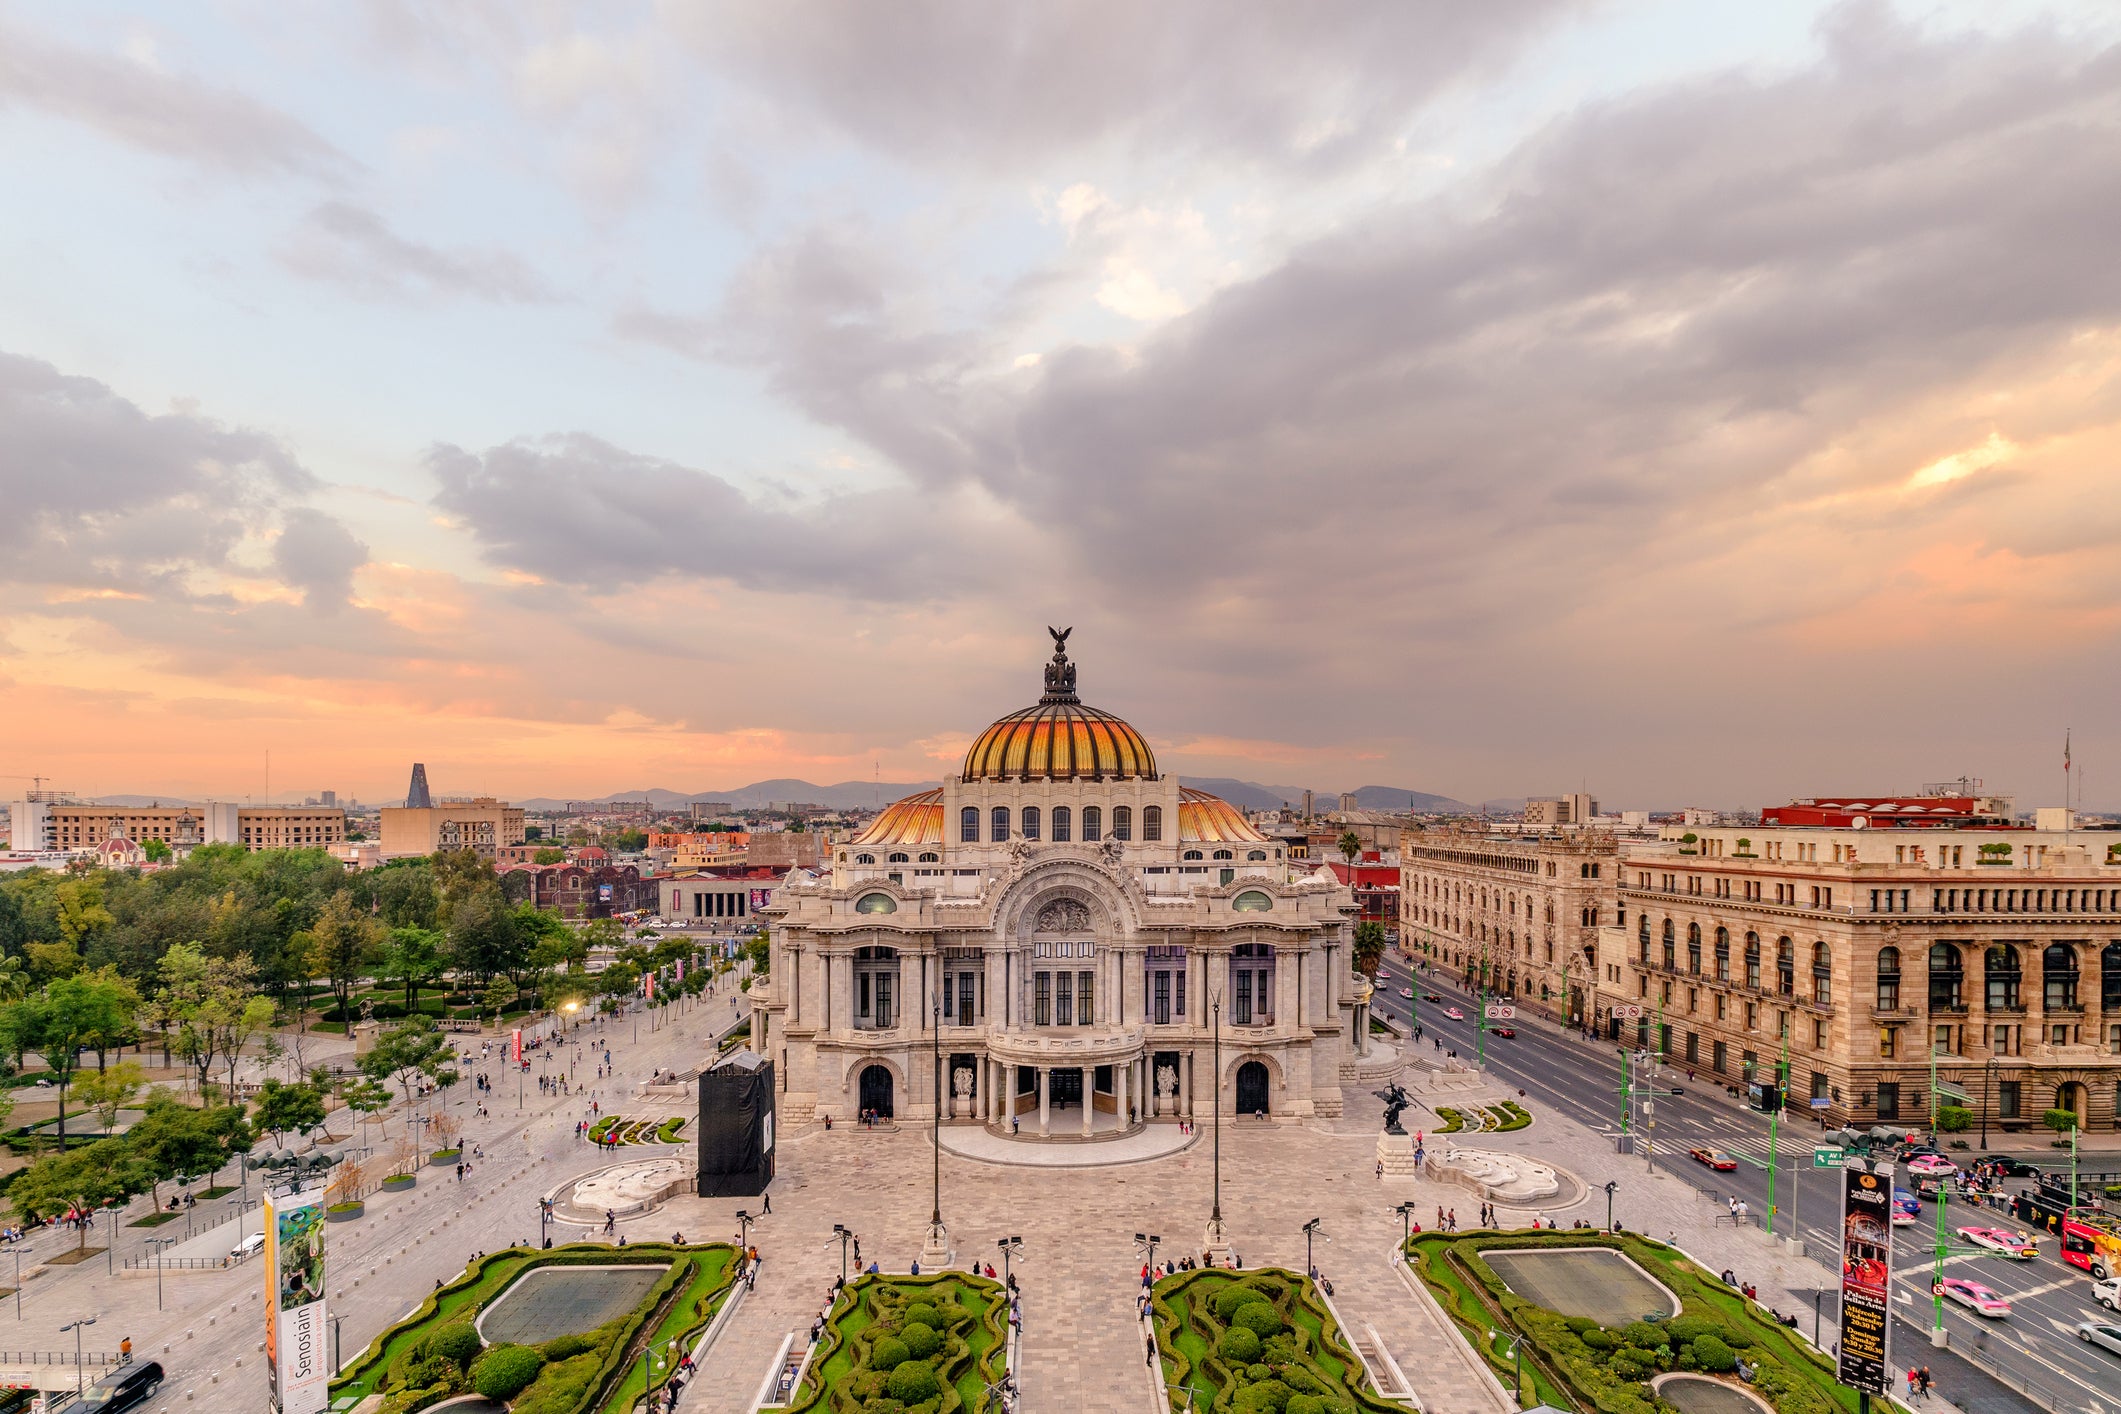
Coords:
pixel 938 1235
pixel 1311 1230
pixel 743 1230
pixel 1516 1363
pixel 1406 1224
pixel 1610 1186
pixel 1010 1247
pixel 1145 1243
pixel 1215 1242
pixel 845 1235
pixel 80 1383
pixel 161 1245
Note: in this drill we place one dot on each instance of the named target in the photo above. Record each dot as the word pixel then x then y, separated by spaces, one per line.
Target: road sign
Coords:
pixel 1629 1012
pixel 1502 1013
pixel 1825 1157
pixel 1821 1102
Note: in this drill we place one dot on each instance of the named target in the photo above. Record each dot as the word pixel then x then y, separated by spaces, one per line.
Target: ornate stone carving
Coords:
pixel 961 1082
pixel 1166 1082
pixel 1020 852
pixel 1064 915
pixel 1110 850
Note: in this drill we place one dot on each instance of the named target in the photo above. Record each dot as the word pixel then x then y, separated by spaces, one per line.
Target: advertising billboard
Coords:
pixel 297 1365
pixel 1866 1275
pixel 760 898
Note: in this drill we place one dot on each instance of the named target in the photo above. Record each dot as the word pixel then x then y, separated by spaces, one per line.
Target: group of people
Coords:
pixel 1918 1382
pixel 869 1118
pixel 1740 1209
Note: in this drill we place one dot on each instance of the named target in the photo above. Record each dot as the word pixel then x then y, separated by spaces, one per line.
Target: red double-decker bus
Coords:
pixel 2090 1239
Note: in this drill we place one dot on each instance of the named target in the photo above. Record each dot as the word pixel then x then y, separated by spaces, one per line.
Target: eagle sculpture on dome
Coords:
pixel 1060 673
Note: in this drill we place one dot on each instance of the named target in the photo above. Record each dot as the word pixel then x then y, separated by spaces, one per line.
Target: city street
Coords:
pixel 2034 1348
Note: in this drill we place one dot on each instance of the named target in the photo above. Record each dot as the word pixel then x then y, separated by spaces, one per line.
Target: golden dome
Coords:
pixel 918 819
pixel 1060 739
pixel 1209 819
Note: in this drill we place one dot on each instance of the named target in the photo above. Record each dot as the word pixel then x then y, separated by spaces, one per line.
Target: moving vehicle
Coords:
pixel 1931 1163
pixel 1454 1013
pixel 2003 1241
pixel 2008 1167
pixel 1905 1209
pixel 1506 1032
pixel 248 1245
pixel 2108 1293
pixel 1432 996
pixel 126 1387
pixel 1714 1158
pixel 1407 993
pixel 1974 1296
pixel 2104 1334
pixel 2089 1240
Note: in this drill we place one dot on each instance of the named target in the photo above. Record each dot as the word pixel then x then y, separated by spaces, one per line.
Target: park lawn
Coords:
pixel 1793 1377
pixel 690 1313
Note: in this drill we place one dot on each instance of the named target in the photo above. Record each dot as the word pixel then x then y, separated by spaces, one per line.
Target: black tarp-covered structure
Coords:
pixel 736 1126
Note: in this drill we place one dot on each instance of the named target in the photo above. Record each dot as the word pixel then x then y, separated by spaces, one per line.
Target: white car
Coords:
pixel 2104 1334
pixel 247 1246
pixel 2108 1293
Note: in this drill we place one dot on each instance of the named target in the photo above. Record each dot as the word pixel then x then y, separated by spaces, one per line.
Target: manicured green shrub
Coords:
pixel 1257 1317
pixel 565 1347
pixel 506 1371
pixel 1266 1397
pixel 561 1387
pixel 889 1353
pixel 920 1313
pixel 1305 1404
pixel 1713 1355
pixel 1238 1346
pixel 921 1341
pixel 1580 1324
pixel 913 1382
pixel 1231 1297
pixel 1600 1339
pixel 1643 1335
pixel 456 1341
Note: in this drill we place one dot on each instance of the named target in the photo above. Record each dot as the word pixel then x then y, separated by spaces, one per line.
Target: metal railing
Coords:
pixel 60 1357
pixel 181 1264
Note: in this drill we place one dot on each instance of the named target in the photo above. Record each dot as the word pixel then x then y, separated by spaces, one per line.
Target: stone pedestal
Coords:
pixel 1396 1153
pixel 935 1252
pixel 1215 1243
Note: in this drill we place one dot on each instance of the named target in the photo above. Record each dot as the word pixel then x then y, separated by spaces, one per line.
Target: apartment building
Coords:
pixel 48 820
pixel 1517 914
pixel 481 823
pixel 1865 949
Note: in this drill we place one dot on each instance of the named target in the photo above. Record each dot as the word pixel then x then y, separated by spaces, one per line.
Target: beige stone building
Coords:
pixel 1079 929
pixel 2000 948
pixel 482 823
pixel 1518 914
pixel 49 822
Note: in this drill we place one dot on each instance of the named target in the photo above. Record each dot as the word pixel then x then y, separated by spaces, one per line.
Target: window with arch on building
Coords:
pixel 865 859
pixel 1786 967
pixel 2058 977
pixel 1723 954
pixel 1947 978
pixel 968 825
pixel 1028 822
pixel 1152 823
pixel 1671 946
pixel 2003 974
pixel 1822 974
pixel 1252 984
pixel 1190 854
pixel 1122 822
pixel 1224 854
pixel 1255 855
pixel 875 988
pixel 1642 937
pixel 2110 979
pixel 1752 961
pixel 1093 824
pixel 1693 948
pixel 998 824
pixel 899 857
pixel 930 857
pixel 1063 825
pixel 1888 979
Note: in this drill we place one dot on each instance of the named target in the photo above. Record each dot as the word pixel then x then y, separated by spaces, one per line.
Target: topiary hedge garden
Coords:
pixel 1259 1342
pixel 909 1345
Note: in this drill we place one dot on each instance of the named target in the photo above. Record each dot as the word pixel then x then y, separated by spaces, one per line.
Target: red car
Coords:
pixel 1714 1158
pixel 1509 1032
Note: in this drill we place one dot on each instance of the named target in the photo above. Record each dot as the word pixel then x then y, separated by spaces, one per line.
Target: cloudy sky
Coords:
pixel 1698 403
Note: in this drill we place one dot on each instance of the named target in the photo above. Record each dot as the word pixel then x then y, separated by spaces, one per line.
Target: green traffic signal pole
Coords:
pixel 1937 1268
pixel 1774 1127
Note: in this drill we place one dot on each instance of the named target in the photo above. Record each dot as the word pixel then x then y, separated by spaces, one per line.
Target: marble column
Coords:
pixel 1119 1091
pixel 1185 1084
pixel 1089 1074
pixel 1045 1102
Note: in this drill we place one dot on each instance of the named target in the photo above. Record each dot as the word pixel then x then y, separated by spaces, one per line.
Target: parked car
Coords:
pixel 1454 1013
pixel 126 1387
pixel 2104 1334
pixel 2108 1293
pixel 1931 1164
pixel 1974 1296
pixel 2002 1240
pixel 247 1246
pixel 1714 1158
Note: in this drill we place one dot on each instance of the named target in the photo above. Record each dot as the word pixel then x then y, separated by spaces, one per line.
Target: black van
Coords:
pixel 123 1388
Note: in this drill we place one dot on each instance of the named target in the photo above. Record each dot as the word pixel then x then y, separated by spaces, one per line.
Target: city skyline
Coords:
pixel 1490 403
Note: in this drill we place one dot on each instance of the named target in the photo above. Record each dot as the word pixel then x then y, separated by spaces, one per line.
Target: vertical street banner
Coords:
pixel 515 1045
pixel 651 986
pixel 297 1366
pixel 1866 1271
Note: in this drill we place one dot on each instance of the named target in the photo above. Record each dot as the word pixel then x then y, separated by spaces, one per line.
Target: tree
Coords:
pixel 343 943
pixel 550 854
pixel 115 1003
pixel 365 1098
pixel 282 1108
pixel 157 851
pixel 176 1141
pixel 405 1053
pixel 1350 845
pixel 499 993
pixel 110 1090
pixel 2061 1121
pixel 57 1023
pixel 484 937
pixel 414 957
pixel 216 1007
pixel 107 1171
pixel 81 911
pixel 1369 946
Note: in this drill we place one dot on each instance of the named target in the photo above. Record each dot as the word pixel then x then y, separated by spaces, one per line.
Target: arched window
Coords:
pixel 1152 822
pixel 968 825
pixel 1671 946
pixel 1693 948
pixel 1642 937
pixel 1550 910
pixel 1223 854
pixel 1030 822
pixel 2002 972
pixel 1786 967
pixel 931 857
pixel 899 858
pixel 865 859
pixel 1255 855
pixel 1122 822
pixel 1752 960
pixel 1190 854
pixel 2058 975
pixel 998 824
pixel 1723 954
pixel 1888 979
pixel 1063 824
pixel 1822 974
pixel 1947 978
pixel 2110 977
pixel 1093 824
